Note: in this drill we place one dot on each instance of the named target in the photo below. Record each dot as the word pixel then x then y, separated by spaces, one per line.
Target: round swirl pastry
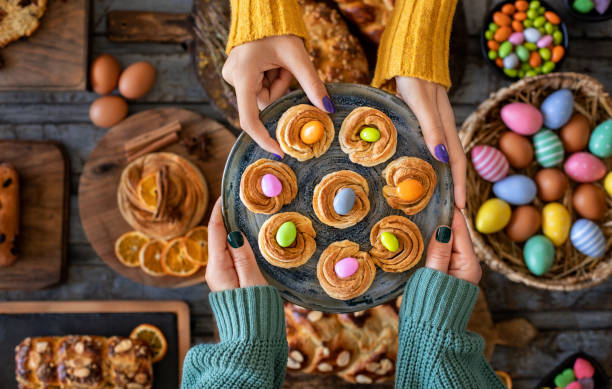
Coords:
pixel 298 250
pixel 305 132
pixel 266 185
pixel 410 184
pixel 368 136
pixel 344 272
pixel 408 244
pixel 341 199
pixel 162 195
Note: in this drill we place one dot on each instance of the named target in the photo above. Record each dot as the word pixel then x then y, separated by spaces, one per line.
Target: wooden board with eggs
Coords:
pixel 539 176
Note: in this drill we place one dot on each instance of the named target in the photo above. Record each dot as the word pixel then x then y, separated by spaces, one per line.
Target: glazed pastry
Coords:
pixel 410 184
pixel 344 272
pixel 287 239
pixel 370 15
pixel 368 136
pixel 267 185
pixel 341 199
pixel 305 132
pixel 162 195
pixel 397 244
pixel 9 214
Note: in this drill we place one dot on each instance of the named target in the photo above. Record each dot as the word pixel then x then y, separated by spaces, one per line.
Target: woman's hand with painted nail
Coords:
pixel 450 251
pixel 433 110
pixel 261 71
pixel 231 262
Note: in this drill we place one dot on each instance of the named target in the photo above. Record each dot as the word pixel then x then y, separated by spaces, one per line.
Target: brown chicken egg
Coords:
pixel 104 74
pixel 524 223
pixel 590 201
pixel 552 184
pixel 136 80
pixel 517 149
pixel 107 111
pixel 575 133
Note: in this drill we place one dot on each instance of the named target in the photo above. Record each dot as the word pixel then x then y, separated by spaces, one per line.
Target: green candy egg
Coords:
pixel 527 23
pixel 542 30
pixel 532 14
pixel 539 254
pixel 600 142
pixel 548 148
pixel 538 70
pixel 521 73
pixel 505 49
pixel 522 53
pixel 534 4
pixel 548 67
pixel 493 27
pixel 389 241
pixel 369 134
pixel 286 234
pixel 489 34
pixel 549 28
pixel 511 72
pixel 540 21
pixel 583 6
pixel 530 46
pixel 557 37
pixel 541 10
pixel 525 66
pixel 530 73
pixel 492 54
pixel 545 53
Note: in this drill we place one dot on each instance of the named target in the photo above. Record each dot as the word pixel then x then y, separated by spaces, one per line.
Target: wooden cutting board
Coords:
pixel 22 319
pixel 100 214
pixel 55 56
pixel 44 194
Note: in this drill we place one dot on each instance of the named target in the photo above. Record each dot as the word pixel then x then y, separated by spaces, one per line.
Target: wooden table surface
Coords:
pixel 567 321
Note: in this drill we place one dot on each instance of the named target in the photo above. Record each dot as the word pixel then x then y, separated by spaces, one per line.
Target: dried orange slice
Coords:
pixel 154 337
pixel 175 262
pixel 195 245
pixel 147 191
pixel 128 246
pixel 150 257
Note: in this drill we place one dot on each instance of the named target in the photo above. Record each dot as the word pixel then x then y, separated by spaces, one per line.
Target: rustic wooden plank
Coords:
pixel 547 320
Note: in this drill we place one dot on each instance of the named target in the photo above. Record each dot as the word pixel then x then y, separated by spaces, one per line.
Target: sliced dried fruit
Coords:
pixel 154 337
pixel 195 245
pixel 150 257
pixel 175 262
pixel 147 191
pixel 128 247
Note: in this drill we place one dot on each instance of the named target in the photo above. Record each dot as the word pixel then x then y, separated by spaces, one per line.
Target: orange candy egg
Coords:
pixel 552 17
pixel 499 62
pixel 521 5
pixel 517 26
pixel 557 53
pixel 534 59
pixel 508 9
pixel 501 19
pixel 492 45
pixel 409 190
pixel 502 33
pixel 311 132
pixel 520 16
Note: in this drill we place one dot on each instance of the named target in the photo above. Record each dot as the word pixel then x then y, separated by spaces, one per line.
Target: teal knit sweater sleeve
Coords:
pixel 435 349
pixel 252 351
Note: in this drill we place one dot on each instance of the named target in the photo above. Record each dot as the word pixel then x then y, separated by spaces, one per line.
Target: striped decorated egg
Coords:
pixel 548 148
pixel 490 163
pixel 587 237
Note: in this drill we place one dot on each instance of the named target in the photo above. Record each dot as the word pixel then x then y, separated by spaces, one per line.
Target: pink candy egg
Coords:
pixel 545 41
pixel 346 267
pixel 489 163
pixel 583 368
pixel 270 185
pixel 573 385
pixel 517 38
pixel 584 167
pixel 524 119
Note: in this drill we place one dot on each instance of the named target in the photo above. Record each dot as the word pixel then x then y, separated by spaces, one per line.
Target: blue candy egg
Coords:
pixel 532 34
pixel 516 190
pixel 600 142
pixel 587 237
pixel 344 201
pixel 557 108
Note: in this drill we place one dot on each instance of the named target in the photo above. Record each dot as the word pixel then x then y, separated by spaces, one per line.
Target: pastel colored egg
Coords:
pixel 608 183
pixel 511 61
pixel 516 38
pixel 522 118
pixel 548 148
pixel 565 378
pixel 601 6
pixel 286 234
pixel 271 185
pixel 369 134
pixel 312 132
pixel 600 143
pixel 589 201
pixel 574 385
pixel 575 133
pixel 545 41
pixel 557 108
pixel 493 215
pixel 524 223
pixel 389 241
pixel 409 189
pixel 583 368
pixel 532 34
pixel 346 267
pixel 587 238
pixel 556 223
pixel 344 201
pixel 584 167
pixel 489 163
pixel 517 149
pixel 522 53
pixel 539 254
pixel 516 189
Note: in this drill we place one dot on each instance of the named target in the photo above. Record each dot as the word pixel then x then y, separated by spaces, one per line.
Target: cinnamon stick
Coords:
pixel 135 144
pixel 158 144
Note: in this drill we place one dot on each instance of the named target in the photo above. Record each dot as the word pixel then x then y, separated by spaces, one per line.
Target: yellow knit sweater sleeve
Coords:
pixel 256 19
pixel 416 42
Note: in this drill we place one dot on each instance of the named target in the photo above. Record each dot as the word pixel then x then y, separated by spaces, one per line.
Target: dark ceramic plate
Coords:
pixel 300 285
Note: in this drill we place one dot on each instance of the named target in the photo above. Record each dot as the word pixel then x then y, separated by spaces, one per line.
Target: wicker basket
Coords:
pixel 571 269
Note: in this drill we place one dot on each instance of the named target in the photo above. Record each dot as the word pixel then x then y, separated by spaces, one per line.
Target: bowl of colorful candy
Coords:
pixel 578 371
pixel 590 10
pixel 540 181
pixel 524 39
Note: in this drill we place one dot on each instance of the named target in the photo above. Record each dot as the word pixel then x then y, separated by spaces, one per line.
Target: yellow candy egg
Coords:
pixel 409 190
pixel 556 223
pixel 311 132
pixel 493 216
pixel 608 183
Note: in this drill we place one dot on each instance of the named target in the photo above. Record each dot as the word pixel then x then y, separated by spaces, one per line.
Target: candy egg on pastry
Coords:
pixel 490 163
pixel 312 132
pixel 286 234
pixel 344 201
pixel 270 185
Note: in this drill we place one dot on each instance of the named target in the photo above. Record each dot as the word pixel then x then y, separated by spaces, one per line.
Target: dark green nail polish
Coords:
pixel 443 234
pixel 235 239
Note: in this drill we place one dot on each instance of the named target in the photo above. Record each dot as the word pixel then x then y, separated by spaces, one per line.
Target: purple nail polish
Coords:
pixel 277 156
pixel 441 153
pixel 329 106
